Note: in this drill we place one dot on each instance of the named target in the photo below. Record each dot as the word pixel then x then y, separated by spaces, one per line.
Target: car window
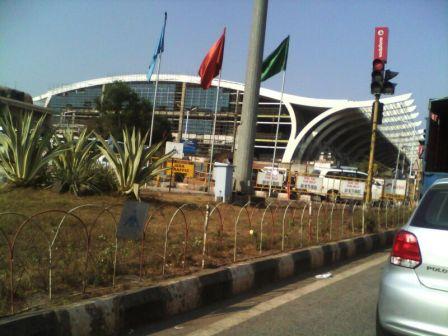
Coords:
pixel 361 176
pixel 433 210
pixel 333 174
pixel 350 174
pixel 316 172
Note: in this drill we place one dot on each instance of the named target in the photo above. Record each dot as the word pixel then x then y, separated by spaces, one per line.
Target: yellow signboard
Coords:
pixel 181 167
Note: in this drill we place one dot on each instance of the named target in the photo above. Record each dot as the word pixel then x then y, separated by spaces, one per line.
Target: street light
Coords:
pixel 191 109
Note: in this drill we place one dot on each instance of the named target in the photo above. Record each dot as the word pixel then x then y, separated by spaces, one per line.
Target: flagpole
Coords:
pixel 213 132
pixel 276 132
pixel 155 97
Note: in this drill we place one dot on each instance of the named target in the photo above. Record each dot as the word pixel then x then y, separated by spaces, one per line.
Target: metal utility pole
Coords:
pixel 276 133
pixel 396 166
pixel 246 132
pixel 380 85
pixel 181 113
pixel 235 120
pixel 403 162
pixel 372 148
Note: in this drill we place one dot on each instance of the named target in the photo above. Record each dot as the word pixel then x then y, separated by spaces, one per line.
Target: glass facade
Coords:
pixel 206 99
pixel 77 99
pixel 82 101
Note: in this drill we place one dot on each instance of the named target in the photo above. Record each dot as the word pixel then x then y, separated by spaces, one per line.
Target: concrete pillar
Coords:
pixel 246 131
pixel 181 112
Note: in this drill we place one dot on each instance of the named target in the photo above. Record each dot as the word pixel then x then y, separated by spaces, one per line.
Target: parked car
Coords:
pixel 413 298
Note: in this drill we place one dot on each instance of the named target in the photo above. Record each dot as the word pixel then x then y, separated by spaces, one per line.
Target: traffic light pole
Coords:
pixel 368 198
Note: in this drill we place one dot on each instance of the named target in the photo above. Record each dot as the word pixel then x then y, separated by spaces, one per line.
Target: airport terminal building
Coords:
pixel 308 126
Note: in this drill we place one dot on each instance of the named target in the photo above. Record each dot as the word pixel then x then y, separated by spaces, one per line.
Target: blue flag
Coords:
pixel 159 49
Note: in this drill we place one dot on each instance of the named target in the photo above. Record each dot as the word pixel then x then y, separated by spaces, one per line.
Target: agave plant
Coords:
pixel 131 161
pixel 26 149
pixel 75 167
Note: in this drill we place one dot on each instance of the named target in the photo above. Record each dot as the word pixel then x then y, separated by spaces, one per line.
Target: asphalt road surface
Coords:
pixel 344 304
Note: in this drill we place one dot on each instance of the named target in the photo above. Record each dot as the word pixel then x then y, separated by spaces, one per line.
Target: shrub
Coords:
pixel 26 149
pixel 131 161
pixel 75 168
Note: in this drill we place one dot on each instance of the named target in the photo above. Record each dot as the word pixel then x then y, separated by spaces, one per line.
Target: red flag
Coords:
pixel 212 63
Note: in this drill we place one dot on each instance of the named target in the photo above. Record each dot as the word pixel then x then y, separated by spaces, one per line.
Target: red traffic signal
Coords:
pixel 381 79
pixel 376 86
pixel 378 65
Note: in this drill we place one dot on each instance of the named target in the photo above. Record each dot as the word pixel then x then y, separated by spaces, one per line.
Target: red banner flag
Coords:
pixel 212 63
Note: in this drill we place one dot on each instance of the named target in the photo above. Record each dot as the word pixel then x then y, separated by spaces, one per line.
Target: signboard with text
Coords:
pixel 381 41
pixel 186 168
pixel 354 189
pixel 264 178
pixel 311 184
pixel 395 187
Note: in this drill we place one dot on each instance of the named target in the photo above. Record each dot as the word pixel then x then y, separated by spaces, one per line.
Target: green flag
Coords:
pixel 276 61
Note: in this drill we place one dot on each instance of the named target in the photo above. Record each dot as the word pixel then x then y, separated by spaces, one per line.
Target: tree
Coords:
pixel 120 107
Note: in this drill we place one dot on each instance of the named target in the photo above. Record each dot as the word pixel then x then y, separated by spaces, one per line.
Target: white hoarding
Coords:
pixel 395 187
pixel 311 184
pixel 400 188
pixel 353 189
pixel 264 178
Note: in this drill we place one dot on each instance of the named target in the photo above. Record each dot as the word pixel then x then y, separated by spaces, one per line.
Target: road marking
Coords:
pixel 240 317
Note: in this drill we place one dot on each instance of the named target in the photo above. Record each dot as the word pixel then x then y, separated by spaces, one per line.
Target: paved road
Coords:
pixel 341 305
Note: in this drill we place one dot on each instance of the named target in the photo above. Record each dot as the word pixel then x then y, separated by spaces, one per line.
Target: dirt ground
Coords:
pixel 87 260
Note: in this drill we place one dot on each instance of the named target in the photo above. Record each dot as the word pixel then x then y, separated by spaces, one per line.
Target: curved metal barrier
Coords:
pixel 218 233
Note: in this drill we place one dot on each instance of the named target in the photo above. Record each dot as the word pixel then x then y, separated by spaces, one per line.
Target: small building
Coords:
pixel 21 102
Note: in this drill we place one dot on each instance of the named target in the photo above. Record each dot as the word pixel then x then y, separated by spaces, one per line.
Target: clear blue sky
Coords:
pixel 44 43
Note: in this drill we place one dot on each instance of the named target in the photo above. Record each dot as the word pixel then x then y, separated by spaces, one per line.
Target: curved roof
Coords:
pixel 343 125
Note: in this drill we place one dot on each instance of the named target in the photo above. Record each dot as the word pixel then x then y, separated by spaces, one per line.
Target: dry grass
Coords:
pixel 136 266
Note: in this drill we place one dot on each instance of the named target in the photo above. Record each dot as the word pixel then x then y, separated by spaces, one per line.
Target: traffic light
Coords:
pixel 388 87
pixel 377 76
pixel 381 79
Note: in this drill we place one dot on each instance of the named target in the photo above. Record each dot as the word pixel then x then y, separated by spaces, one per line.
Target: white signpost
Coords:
pixel 178 148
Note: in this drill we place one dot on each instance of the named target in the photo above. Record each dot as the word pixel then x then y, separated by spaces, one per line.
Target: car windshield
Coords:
pixel 433 211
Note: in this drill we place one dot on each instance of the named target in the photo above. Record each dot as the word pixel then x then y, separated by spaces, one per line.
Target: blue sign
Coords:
pixel 133 219
pixel 190 147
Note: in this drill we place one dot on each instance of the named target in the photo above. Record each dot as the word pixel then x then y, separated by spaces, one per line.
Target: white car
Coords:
pixel 346 183
pixel 413 298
